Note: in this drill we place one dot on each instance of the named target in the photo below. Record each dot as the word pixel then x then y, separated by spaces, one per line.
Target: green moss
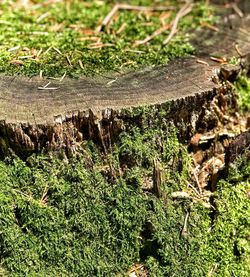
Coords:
pixel 228 241
pixel 62 37
pixel 242 86
pixel 68 218
pixel 93 216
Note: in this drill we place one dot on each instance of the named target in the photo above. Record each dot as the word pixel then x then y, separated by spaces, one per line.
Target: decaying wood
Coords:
pixel 240 146
pixel 97 108
pixel 157 179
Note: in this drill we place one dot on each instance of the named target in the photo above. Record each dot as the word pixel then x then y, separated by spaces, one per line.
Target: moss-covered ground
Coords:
pixel 97 215
pixel 54 38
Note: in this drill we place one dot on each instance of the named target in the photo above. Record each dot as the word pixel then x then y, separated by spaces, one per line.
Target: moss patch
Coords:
pixel 61 37
pixel 242 86
pixel 96 215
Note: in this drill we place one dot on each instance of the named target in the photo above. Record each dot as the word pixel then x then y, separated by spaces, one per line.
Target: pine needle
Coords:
pixel 187 8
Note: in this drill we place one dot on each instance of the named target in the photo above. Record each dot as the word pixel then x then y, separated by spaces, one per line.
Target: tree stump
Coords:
pixel 35 117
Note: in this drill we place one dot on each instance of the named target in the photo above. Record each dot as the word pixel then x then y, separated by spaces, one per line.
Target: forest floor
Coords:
pixel 150 204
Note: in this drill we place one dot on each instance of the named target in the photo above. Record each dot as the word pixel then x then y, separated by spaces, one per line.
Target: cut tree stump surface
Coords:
pixel 23 102
pixel 25 106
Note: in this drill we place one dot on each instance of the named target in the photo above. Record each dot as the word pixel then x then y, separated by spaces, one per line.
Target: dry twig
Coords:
pixel 118 7
pixel 134 51
pixel 194 189
pixel 16 62
pixel 68 60
pixel 187 8
pixel 43 16
pixel 237 10
pixel 15 48
pixel 122 27
pixel 164 16
pixel 46 87
pixel 157 178
pixel 57 50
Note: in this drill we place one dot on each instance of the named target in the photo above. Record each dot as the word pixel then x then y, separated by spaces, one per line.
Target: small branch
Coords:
pixel 118 7
pixel 57 50
pixel 41 17
pixel 68 60
pixel 134 51
pixel 123 26
pixel 108 17
pixel 15 48
pixel 47 88
pixel 43 88
pixel 187 8
pixel 81 64
pixel 194 189
pixel 146 9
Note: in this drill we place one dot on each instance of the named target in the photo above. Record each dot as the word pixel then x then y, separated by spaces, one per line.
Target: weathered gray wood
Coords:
pixel 240 146
pixel 23 102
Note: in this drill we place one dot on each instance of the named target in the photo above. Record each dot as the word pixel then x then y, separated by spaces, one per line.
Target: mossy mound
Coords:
pixel 96 214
